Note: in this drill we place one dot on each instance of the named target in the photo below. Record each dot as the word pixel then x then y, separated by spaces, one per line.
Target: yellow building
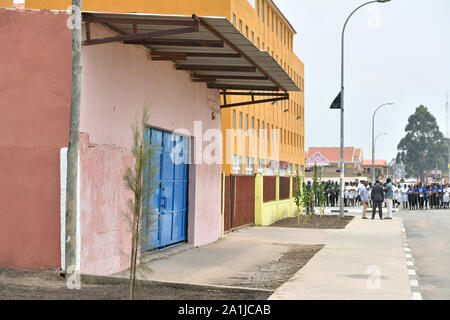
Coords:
pixel 265 25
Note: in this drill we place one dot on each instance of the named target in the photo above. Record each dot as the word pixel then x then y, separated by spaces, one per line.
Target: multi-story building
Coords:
pixel 279 125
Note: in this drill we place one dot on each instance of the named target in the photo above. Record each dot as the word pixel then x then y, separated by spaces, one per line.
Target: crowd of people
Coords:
pixel 407 197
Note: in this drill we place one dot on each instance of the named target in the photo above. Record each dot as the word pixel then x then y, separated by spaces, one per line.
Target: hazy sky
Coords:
pixel 406 59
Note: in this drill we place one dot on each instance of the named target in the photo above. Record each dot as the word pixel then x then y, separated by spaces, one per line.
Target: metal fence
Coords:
pixel 239 207
pixel 285 183
pixel 270 188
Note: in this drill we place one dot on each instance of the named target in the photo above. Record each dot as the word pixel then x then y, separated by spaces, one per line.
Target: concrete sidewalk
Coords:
pixel 338 271
pixel 348 266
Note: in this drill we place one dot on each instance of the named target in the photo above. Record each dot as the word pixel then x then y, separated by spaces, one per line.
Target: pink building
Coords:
pixel 118 79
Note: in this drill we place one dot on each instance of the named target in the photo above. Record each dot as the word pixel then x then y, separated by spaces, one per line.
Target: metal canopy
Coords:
pixel 209 47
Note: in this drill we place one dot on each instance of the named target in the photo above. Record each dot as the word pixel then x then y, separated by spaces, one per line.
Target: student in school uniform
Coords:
pixel 431 195
pixel 446 196
pixel 421 191
pixel 409 192
pixel 416 197
pixel 405 197
pixel 440 199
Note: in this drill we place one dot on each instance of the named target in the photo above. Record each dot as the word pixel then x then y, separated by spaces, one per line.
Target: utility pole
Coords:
pixel 71 272
pixel 447 135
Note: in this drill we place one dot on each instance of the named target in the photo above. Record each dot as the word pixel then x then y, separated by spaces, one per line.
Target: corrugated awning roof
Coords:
pixel 209 47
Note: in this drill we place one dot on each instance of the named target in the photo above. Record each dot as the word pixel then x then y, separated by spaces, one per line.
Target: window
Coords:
pixel 240 120
pixel 246 122
pixel 257 7
pixel 276 167
pixel 234 119
pixel 240 25
pixel 262 48
pixel 253 37
pixel 261 165
pixel 289 171
pixel 276 26
pixel 234 20
pixel 237 164
pixel 249 166
pixel 246 32
pixel 268 129
pixel 257 44
pixel 272 21
pixel 262 128
pixel 257 132
pixel 267 14
pixel 262 11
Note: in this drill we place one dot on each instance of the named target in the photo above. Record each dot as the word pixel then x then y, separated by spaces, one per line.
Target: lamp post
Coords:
pixel 341 193
pixel 373 138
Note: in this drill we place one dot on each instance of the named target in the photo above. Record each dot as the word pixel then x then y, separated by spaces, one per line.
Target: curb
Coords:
pixel 95 279
pixel 415 288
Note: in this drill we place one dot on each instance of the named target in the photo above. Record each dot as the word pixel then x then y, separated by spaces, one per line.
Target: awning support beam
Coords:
pixel 232 105
pixel 252 94
pixel 235 48
pixel 140 36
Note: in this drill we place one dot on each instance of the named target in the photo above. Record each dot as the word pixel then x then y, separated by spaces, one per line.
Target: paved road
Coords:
pixel 428 234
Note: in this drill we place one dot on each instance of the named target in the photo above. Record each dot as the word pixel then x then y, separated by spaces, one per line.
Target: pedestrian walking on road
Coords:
pixel 364 195
pixel 377 199
pixel 388 198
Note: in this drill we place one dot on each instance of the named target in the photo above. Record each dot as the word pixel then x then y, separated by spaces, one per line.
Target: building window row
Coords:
pixel 270 19
pixel 260 167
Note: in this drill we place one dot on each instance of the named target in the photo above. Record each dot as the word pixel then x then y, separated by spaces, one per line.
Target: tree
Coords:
pixel 398 169
pixel 140 180
pixel 299 197
pixel 423 147
pixel 316 188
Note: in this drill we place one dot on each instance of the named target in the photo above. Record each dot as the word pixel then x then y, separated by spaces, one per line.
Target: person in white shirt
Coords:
pixel 346 194
pixel 404 191
pixel 446 197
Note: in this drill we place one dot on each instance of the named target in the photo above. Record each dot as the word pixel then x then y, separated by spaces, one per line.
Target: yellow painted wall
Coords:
pixel 6 3
pixel 181 7
pixel 292 143
pixel 267 213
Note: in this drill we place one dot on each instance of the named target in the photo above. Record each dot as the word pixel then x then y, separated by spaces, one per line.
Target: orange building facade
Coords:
pixel 279 148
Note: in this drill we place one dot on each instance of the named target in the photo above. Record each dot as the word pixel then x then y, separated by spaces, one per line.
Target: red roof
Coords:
pixel 334 154
pixel 378 163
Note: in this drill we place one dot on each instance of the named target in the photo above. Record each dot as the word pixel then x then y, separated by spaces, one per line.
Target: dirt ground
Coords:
pixel 315 222
pixel 49 285
pixel 273 275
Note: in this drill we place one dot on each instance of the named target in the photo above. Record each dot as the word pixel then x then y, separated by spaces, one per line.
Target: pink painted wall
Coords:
pixel 118 80
pixel 35 82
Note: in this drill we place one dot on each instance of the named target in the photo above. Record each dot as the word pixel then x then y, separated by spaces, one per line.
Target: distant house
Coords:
pixel 328 159
pixel 382 165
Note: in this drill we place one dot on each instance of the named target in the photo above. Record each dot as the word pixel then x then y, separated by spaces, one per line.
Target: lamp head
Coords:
pixel 383 1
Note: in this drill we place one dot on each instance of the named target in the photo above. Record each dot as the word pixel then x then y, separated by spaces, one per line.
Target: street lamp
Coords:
pixel 341 193
pixel 373 138
pixel 381 134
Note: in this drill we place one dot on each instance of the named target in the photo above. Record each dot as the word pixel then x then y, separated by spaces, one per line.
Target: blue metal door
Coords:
pixel 170 199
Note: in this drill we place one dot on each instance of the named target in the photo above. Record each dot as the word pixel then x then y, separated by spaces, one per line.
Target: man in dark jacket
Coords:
pixel 377 198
